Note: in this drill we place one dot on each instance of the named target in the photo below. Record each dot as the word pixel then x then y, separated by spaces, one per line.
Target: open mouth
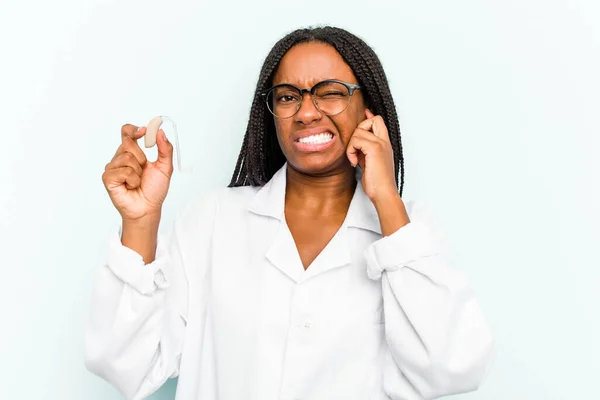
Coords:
pixel 315 143
pixel 320 138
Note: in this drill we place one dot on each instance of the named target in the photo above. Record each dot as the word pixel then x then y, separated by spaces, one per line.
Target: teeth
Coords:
pixel 317 139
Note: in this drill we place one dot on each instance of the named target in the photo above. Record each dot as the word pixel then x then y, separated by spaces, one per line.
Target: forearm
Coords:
pixel 141 236
pixel 392 213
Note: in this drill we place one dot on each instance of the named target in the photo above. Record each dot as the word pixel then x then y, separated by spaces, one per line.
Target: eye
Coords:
pixel 332 93
pixel 286 98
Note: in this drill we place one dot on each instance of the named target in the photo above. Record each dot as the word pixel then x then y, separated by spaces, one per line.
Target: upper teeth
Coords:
pixel 320 138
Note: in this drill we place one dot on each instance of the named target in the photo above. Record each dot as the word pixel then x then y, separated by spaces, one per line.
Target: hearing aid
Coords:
pixel 151 131
pixel 150 137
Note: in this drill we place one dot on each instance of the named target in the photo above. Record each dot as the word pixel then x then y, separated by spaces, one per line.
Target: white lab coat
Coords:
pixel 228 306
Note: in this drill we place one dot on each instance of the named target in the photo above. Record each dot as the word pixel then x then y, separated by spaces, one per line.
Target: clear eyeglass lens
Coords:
pixel 331 98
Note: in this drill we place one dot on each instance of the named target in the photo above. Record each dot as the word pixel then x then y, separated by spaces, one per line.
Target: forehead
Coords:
pixel 308 63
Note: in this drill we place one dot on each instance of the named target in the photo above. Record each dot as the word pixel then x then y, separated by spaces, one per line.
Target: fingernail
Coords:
pixel 164 135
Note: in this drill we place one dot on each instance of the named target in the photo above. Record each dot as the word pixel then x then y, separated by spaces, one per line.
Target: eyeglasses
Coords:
pixel 331 97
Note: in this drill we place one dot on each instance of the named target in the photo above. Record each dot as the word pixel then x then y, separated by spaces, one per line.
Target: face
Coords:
pixel 304 65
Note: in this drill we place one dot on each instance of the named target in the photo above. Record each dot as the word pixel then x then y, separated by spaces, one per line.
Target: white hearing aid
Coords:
pixel 150 137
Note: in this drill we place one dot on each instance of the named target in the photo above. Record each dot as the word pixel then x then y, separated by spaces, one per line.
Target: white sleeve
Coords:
pixel 439 341
pixel 138 311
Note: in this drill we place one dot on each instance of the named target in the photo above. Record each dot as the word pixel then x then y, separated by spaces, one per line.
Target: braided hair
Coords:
pixel 260 156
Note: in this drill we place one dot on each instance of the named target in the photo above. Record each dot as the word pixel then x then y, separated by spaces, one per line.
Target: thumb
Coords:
pixel 165 150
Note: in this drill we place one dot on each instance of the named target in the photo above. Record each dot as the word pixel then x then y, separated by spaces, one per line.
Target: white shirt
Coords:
pixel 228 306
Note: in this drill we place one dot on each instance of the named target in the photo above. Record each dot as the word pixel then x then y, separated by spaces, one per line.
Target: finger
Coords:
pixel 130 145
pixel 133 181
pixel 352 152
pixel 356 145
pixel 125 160
pixel 366 125
pixel 132 131
pixel 165 151
pixel 367 135
pixel 367 146
pixel 379 128
pixel 123 175
pixel 377 125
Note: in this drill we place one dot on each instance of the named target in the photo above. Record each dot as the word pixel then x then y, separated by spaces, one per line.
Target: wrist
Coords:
pixel 386 199
pixel 147 221
pixel 391 213
pixel 141 236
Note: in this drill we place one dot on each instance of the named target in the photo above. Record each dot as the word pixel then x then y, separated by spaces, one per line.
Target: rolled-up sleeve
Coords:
pixel 438 338
pixel 128 265
pixel 139 311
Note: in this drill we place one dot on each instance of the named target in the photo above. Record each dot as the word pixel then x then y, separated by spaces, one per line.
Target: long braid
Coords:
pixel 260 156
pixel 255 165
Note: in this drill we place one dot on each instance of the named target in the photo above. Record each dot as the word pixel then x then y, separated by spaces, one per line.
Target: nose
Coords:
pixel 308 112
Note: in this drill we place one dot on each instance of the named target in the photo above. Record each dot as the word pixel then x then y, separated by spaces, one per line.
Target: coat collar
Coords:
pixel 269 201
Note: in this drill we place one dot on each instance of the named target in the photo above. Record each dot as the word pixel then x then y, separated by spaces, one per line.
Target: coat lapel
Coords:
pixel 269 202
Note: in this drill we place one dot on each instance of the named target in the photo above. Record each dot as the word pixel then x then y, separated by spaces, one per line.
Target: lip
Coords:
pixel 311 147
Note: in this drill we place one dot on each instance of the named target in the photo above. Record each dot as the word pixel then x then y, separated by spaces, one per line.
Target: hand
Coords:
pixel 136 187
pixel 370 148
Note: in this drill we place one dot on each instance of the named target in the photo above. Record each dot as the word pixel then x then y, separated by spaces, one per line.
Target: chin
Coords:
pixel 317 165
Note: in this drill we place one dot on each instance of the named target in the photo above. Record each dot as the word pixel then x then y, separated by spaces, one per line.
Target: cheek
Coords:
pixel 278 128
pixel 346 126
pixel 282 129
pixel 346 129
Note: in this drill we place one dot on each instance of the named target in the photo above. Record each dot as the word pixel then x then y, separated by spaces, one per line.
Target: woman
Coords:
pixel 309 277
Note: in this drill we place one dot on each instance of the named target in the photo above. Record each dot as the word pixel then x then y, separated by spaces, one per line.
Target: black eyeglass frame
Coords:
pixel 350 86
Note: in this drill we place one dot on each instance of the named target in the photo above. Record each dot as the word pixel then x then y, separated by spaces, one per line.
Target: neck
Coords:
pixel 319 195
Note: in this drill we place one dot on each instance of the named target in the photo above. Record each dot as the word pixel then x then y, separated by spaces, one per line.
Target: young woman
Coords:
pixel 309 277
